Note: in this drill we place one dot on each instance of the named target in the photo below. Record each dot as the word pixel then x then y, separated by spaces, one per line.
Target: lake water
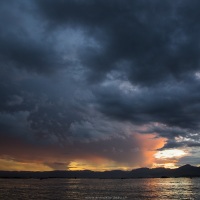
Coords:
pixel 100 189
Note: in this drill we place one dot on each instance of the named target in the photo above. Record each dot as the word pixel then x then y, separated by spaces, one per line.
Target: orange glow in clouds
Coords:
pixel 145 154
pixel 149 144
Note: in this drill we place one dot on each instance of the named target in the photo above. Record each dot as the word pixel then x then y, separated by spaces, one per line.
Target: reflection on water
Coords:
pixel 64 189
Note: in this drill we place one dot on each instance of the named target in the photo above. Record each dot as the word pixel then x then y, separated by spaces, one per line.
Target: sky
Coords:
pixel 99 84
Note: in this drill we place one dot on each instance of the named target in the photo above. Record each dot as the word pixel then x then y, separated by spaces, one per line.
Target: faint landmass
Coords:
pixel 183 171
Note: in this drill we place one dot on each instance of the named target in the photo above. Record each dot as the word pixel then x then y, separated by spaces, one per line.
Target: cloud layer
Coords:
pixel 89 80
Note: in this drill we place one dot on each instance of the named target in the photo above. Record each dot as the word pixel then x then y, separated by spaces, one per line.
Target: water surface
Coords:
pixel 90 189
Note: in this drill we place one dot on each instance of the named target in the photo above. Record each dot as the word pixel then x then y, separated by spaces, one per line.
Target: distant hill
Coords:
pixel 183 171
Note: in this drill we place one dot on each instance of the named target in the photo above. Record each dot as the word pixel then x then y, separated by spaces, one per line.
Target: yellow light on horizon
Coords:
pixel 102 165
pixel 165 165
pixel 11 165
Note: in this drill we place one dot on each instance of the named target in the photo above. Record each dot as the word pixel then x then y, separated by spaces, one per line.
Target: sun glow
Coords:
pixel 170 153
pixel 168 158
pixel 98 165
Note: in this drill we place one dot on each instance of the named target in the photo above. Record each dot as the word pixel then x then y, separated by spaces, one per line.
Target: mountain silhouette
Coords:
pixel 183 171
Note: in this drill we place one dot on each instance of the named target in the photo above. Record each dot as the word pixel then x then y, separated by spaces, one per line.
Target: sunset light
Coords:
pixel 169 153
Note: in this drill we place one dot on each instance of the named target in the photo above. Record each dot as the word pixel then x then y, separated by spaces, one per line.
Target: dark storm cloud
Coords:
pixel 22 44
pixel 174 105
pixel 157 39
pixel 90 74
pixel 152 43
